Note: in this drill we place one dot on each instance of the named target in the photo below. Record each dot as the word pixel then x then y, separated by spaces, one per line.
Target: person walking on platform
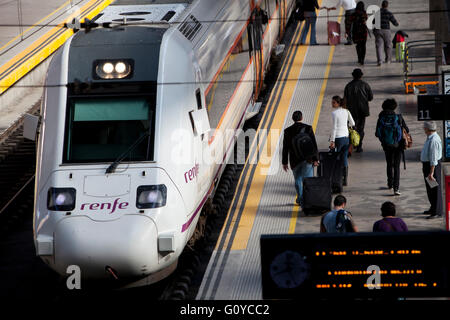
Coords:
pixel 389 132
pixel 300 149
pixel 389 223
pixel 357 94
pixel 338 220
pixel 383 35
pixel 339 139
pixel 309 7
pixel 349 7
pixel 431 167
pixel 359 31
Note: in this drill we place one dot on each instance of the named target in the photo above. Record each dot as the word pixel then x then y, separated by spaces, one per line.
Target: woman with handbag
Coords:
pixel 339 139
pixel 389 131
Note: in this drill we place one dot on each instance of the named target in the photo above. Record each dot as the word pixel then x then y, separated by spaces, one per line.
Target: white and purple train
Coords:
pixel 112 194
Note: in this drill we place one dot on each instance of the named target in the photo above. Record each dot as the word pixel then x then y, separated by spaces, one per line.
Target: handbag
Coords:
pixel 407 139
pixel 354 137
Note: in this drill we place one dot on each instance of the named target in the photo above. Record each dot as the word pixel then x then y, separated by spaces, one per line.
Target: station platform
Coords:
pixel 30 32
pixel 265 194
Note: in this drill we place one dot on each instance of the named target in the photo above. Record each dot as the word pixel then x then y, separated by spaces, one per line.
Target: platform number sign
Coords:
pixel 433 107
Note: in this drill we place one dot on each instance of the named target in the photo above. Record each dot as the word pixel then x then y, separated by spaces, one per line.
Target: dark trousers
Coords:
pixel 359 125
pixel 348 23
pixel 434 194
pixel 361 51
pixel 393 159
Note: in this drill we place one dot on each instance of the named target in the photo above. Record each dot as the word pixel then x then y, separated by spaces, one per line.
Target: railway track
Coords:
pixel 17 168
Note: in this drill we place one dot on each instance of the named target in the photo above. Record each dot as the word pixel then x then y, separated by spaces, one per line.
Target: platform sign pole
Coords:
pixel 446 91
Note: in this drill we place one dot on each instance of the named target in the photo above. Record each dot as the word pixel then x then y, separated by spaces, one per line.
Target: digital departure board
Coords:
pixel 357 265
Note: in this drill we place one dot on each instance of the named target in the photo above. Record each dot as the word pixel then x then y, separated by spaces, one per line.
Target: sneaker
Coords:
pixel 379 64
pixel 433 216
pixel 397 192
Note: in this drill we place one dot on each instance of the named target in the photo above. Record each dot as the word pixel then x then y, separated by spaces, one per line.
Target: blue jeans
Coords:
pixel 310 20
pixel 302 170
pixel 342 144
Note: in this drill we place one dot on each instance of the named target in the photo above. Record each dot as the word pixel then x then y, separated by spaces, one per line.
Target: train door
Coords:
pixel 255 35
pixel 201 126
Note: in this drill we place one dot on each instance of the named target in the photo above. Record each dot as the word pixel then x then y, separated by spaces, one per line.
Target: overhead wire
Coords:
pixel 219 20
pixel 366 77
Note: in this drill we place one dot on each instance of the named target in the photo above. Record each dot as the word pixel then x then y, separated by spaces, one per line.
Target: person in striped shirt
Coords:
pixel 383 35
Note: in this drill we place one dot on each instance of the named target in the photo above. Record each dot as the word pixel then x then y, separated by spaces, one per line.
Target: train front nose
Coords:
pixel 127 245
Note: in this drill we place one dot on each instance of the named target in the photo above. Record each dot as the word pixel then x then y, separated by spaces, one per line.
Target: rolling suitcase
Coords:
pixel 331 166
pixel 334 32
pixel 316 195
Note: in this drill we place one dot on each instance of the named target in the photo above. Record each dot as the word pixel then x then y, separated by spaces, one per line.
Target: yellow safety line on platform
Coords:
pixel 296 209
pixel 23 68
pixel 281 108
pixel 34 25
pixel 246 222
pixel 247 176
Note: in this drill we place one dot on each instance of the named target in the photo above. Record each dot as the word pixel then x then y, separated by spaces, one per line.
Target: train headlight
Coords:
pixel 151 196
pixel 61 199
pixel 120 67
pixel 108 68
pixel 113 69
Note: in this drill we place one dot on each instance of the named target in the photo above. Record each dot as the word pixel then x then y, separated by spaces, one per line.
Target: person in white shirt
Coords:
pixel 349 7
pixel 339 139
pixel 431 168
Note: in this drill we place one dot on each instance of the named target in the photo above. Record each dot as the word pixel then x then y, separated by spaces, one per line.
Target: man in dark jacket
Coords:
pixel 357 95
pixel 301 168
pixel 383 35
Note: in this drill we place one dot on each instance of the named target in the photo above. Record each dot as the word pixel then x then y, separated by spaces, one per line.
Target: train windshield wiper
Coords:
pixel 119 159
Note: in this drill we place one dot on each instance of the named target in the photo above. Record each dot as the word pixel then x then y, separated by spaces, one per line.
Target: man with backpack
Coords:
pixel 389 131
pixel 300 149
pixel 338 220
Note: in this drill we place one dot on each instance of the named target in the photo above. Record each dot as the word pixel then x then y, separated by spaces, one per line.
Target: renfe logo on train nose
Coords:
pixel 105 206
pixel 191 174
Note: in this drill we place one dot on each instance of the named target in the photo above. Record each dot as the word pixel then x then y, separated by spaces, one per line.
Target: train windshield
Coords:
pixel 102 129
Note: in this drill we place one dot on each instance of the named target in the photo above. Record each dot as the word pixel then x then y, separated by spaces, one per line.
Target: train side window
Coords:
pixel 199 99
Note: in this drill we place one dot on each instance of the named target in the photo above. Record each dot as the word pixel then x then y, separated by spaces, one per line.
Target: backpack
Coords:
pixel 343 223
pixel 389 130
pixel 303 146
